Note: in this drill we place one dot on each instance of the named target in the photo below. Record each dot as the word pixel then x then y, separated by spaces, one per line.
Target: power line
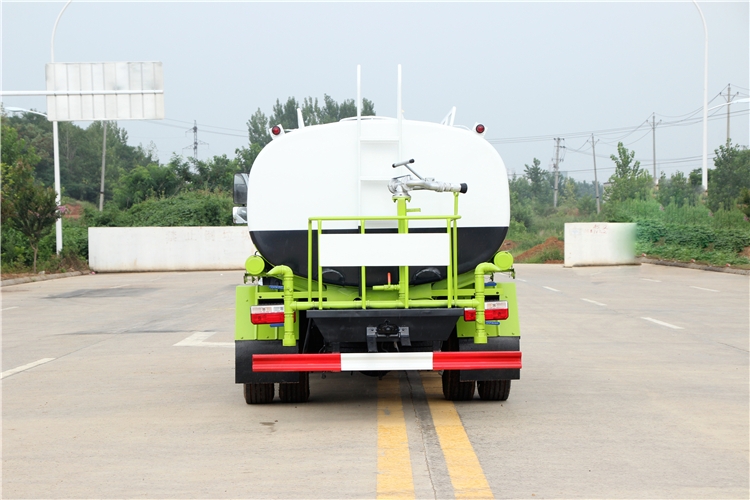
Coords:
pixel 204 125
pixel 544 138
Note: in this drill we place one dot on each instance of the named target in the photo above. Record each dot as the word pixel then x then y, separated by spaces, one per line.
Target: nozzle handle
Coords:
pixel 402 163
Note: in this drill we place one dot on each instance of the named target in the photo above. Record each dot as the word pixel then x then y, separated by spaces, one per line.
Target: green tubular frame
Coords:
pixel 300 294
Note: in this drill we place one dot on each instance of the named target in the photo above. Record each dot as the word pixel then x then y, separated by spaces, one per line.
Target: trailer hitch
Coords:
pixel 387 331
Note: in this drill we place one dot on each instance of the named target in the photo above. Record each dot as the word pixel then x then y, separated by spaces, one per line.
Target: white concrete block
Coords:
pixel 114 249
pixel 599 244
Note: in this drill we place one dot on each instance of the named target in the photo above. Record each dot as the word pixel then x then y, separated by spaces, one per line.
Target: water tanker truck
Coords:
pixel 377 241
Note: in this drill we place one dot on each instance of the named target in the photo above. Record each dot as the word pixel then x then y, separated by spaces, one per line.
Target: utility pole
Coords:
pixel 653 143
pixel 557 168
pixel 196 141
pixel 596 181
pixel 729 100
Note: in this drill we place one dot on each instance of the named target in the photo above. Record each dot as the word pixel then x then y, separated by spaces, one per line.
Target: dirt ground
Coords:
pixel 551 242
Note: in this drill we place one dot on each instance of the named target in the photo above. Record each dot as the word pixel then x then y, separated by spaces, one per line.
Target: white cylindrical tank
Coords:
pixel 343 169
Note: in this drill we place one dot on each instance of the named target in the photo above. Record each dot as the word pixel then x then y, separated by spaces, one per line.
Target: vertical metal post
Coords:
pixel 104 156
pixel 596 181
pixel 729 101
pixel 56 147
pixel 403 271
pixel 320 268
pixel 359 140
pixel 557 159
pixel 58 200
pixel 653 144
pixel 309 260
pixel 363 270
pixel 704 170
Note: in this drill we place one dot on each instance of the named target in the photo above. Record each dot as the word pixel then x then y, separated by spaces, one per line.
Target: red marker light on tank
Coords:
pixel 276 130
pixel 480 129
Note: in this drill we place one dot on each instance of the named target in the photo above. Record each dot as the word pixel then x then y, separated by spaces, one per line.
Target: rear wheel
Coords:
pixel 296 392
pixel 260 393
pixel 454 389
pixel 494 390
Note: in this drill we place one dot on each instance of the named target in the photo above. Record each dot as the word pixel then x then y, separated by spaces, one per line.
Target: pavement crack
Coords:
pixel 420 426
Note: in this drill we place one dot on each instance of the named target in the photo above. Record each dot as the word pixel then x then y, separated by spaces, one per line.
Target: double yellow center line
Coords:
pixel 394 462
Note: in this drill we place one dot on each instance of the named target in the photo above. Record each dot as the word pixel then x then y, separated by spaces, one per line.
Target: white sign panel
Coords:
pixel 374 249
pixel 105 91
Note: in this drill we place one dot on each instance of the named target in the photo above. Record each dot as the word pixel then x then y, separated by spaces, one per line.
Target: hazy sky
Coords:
pixel 528 71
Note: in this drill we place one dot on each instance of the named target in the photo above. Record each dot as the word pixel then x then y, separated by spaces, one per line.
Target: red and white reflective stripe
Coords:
pixel 351 362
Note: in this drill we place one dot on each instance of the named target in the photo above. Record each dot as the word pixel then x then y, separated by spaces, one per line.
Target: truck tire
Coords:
pixel 298 392
pixel 493 390
pixel 454 389
pixel 260 393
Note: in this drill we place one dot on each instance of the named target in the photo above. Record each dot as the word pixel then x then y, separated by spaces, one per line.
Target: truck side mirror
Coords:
pixel 239 193
pixel 239 215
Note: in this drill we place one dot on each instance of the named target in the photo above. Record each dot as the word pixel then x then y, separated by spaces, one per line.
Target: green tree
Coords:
pixel 80 154
pixel 730 175
pixel 257 129
pixel 629 181
pixel 677 189
pixel 285 114
pixel 27 206
pixel 540 186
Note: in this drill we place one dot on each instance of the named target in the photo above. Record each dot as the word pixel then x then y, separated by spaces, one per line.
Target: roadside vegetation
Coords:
pixel 674 221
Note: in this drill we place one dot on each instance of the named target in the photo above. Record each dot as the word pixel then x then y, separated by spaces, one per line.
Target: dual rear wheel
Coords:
pixel 489 390
pixel 263 393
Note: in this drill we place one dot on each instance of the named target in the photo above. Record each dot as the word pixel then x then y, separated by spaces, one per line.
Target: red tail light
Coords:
pixel 267 315
pixel 493 311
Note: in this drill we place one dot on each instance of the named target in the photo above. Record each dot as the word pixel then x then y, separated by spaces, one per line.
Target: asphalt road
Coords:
pixel 635 385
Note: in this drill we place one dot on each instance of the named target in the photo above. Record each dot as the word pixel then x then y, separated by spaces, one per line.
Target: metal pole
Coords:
pixel 58 223
pixel 58 192
pixel 596 181
pixel 704 175
pixel 557 157
pixel 729 100
pixel 104 156
pixel 653 144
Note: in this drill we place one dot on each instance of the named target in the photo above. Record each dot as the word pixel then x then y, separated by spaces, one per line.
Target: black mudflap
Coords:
pixel 493 344
pixel 243 361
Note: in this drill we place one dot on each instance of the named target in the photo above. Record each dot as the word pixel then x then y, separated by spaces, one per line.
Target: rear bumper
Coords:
pixel 387 361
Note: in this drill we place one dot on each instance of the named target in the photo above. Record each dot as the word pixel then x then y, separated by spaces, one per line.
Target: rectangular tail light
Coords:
pixel 493 311
pixel 267 315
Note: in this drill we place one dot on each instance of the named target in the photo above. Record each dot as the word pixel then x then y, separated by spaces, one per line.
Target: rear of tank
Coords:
pixel 343 170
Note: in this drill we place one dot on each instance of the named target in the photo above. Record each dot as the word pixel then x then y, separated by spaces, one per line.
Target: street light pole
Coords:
pixel 704 175
pixel 58 190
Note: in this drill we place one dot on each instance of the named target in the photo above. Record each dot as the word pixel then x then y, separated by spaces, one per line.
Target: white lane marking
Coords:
pixel 119 286
pixel 593 302
pixel 550 288
pixel 519 279
pixel 701 288
pixel 662 323
pixel 11 307
pixel 8 373
pixel 198 340
pixel 649 279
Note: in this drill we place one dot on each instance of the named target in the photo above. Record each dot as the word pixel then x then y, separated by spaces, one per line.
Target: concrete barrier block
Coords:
pixel 599 244
pixel 118 249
